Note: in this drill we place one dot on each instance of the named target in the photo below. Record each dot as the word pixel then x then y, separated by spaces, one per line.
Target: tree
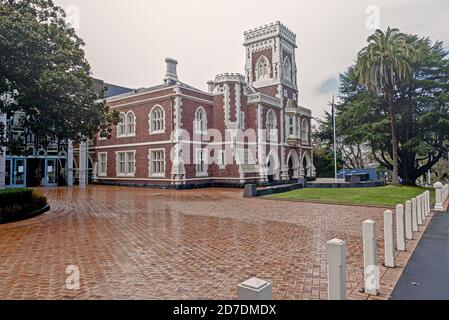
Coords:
pixel 351 153
pixel 323 152
pixel 421 106
pixel 383 66
pixel 45 76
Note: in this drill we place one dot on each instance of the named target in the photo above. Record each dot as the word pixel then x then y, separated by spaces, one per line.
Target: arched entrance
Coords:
pixel 306 165
pixel 272 164
pixel 293 165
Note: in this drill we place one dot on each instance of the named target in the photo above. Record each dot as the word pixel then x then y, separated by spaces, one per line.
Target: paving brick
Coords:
pixel 135 243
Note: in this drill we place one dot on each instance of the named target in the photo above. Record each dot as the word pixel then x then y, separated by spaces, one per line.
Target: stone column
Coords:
pixel 439 197
pixel 70 164
pixel 82 168
pixel 2 154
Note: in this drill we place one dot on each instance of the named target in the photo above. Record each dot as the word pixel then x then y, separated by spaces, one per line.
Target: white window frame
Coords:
pixel 151 173
pixel 260 76
pixel 201 161
pixel 151 119
pixel 126 172
pixel 305 131
pixel 221 160
pixel 100 162
pixel 288 70
pixel 200 125
pixel 271 132
pixel 242 120
pixel 291 126
pixel 121 126
pixel 131 133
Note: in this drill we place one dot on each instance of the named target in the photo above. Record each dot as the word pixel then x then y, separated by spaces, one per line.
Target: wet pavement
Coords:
pixel 426 276
pixel 131 243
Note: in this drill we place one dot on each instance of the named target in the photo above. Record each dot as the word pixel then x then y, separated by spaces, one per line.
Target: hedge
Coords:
pixel 15 203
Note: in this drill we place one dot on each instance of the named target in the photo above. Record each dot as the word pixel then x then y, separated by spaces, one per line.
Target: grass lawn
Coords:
pixel 381 196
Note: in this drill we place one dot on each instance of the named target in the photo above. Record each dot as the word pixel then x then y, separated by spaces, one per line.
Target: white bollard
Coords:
pixel 439 197
pixel 428 202
pixel 419 210
pixel 371 274
pixel 336 269
pixel 423 207
pixel 388 239
pixel 426 212
pixel 414 216
pixel 408 220
pixel 254 289
pixel 400 227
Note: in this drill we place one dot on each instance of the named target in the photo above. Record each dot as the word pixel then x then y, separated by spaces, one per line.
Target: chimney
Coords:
pixel 171 75
pixel 210 86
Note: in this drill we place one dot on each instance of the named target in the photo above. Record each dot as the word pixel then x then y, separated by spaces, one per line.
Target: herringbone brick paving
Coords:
pixel 132 243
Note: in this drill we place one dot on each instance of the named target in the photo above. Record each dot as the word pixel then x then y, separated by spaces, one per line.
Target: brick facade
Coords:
pixel 234 121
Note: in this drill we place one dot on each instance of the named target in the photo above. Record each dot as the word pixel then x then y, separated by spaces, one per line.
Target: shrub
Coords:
pixel 19 202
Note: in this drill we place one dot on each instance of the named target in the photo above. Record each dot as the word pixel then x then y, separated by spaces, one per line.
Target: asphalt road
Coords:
pixel 426 276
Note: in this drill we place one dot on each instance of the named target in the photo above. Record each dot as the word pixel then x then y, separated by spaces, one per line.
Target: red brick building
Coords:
pixel 246 128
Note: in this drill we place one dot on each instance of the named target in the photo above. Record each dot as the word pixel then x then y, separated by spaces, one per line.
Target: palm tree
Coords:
pixel 383 66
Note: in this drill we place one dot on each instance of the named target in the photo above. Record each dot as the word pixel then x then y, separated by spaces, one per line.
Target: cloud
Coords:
pixel 328 86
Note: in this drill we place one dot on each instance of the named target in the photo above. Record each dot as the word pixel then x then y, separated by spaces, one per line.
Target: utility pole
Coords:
pixel 334 124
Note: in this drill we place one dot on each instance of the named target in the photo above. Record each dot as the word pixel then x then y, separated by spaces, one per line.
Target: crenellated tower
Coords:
pixel 271 60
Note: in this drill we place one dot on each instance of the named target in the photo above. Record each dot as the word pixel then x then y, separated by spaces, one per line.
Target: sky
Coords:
pixel 127 41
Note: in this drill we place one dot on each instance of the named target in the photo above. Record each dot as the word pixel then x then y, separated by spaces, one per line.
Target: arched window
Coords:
pixel 130 123
pixel 287 69
pixel 200 121
pixel 291 126
pixel 121 127
pixel 263 69
pixel 271 125
pixel 305 131
pixel 157 120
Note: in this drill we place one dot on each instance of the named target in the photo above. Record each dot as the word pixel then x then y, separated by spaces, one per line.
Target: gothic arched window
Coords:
pixel 305 131
pixel 130 123
pixel 121 127
pixel 200 121
pixel 271 126
pixel 263 69
pixel 287 69
pixel 156 120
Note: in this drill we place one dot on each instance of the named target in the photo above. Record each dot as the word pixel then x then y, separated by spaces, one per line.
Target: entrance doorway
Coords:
pixel 291 170
pixel 34 172
pixel 8 172
pixel 51 172
pixel 19 173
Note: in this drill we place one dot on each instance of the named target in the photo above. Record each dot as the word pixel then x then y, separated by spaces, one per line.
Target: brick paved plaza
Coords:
pixel 134 243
